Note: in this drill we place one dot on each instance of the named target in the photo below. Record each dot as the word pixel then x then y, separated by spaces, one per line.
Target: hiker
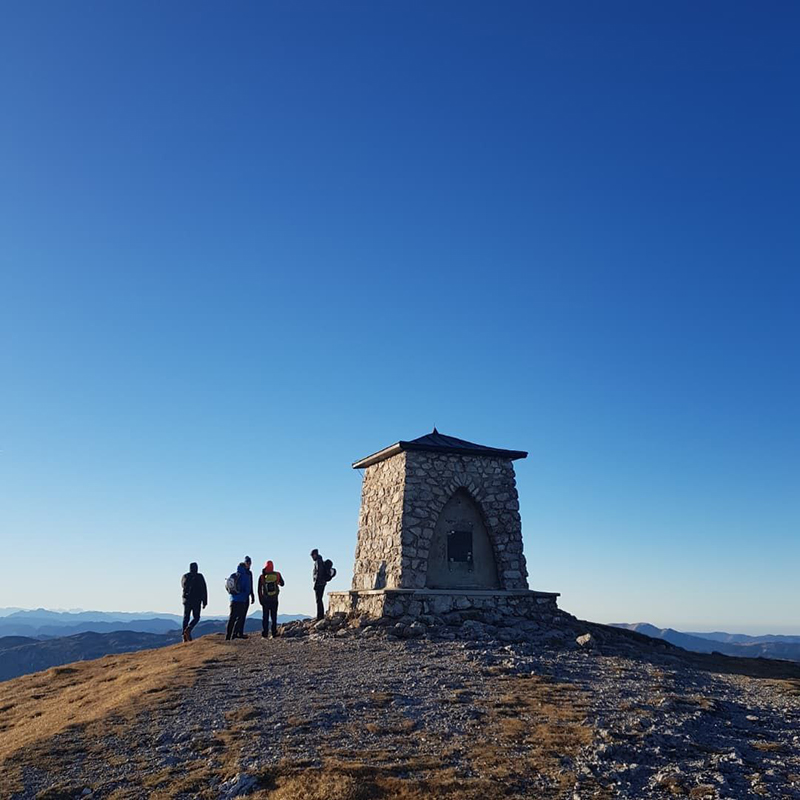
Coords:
pixel 323 572
pixel 269 583
pixel 250 600
pixel 195 594
pixel 240 588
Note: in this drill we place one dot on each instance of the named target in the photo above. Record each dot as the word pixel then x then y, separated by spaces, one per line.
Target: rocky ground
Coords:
pixel 433 708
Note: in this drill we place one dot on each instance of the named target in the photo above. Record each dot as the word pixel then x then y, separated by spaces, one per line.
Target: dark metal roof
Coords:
pixel 436 442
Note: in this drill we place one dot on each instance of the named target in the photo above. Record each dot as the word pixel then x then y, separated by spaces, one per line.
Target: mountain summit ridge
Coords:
pixel 331 713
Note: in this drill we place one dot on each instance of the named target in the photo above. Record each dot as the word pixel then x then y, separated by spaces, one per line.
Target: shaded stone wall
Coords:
pixel 431 480
pixel 401 501
pixel 378 562
pixel 461 513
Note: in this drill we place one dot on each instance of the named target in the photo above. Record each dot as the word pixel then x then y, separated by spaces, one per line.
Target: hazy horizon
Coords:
pixel 750 630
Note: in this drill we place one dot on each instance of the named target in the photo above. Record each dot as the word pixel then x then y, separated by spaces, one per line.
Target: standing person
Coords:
pixel 240 588
pixel 195 594
pixel 250 600
pixel 319 582
pixel 269 583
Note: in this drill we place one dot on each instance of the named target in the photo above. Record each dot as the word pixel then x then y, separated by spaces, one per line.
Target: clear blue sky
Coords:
pixel 244 244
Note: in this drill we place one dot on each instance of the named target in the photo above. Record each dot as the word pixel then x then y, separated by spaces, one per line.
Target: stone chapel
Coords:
pixel 439 530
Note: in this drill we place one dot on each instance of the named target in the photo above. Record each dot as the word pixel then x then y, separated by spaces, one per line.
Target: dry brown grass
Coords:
pixel 703 792
pixel 790 687
pixel 535 727
pixel 769 747
pixel 346 781
pixel 673 784
pixel 60 791
pixel 192 778
pixel 39 706
pixel 380 699
pixel 391 726
pixel 297 721
pixel 335 779
pixel 697 701
pixel 242 715
pixel 532 729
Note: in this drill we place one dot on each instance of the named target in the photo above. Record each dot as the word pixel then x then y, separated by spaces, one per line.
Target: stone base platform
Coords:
pixel 469 603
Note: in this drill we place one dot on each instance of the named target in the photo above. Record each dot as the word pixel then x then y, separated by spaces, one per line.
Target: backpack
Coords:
pixel 271 588
pixel 232 585
pixel 328 571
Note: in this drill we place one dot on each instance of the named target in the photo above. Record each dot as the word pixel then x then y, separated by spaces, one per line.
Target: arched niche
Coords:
pixel 461 555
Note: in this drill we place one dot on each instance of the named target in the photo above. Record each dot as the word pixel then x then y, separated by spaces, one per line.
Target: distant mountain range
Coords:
pixel 41 623
pixel 33 640
pixel 80 614
pixel 730 644
pixel 20 654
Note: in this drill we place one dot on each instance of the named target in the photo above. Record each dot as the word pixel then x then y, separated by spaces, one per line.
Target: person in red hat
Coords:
pixel 269 587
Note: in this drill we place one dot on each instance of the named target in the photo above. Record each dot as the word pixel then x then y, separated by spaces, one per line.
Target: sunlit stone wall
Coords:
pixel 402 498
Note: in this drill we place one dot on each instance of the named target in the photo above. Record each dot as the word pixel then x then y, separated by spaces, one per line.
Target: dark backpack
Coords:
pixel 328 571
pixel 232 585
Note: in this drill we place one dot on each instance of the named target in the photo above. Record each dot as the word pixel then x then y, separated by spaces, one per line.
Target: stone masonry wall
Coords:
pixel 378 559
pixel 430 481
pixel 401 500
pixel 486 606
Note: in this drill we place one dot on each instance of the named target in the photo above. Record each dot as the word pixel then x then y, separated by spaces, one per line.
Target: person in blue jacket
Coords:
pixel 240 601
pixel 239 631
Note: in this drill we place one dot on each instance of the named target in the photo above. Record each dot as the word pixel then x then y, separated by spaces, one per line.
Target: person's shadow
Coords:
pixel 380 578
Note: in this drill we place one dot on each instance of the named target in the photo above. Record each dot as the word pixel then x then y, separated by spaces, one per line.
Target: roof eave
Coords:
pixel 399 447
pixel 387 452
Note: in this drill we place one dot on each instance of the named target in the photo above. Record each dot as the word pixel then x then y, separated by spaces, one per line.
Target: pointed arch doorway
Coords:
pixel 461 555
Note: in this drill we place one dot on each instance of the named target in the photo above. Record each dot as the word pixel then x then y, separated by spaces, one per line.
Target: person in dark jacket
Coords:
pixel 239 603
pixel 195 594
pixel 269 587
pixel 251 598
pixel 319 582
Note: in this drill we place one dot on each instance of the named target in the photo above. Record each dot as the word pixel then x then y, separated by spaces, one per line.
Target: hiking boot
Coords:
pixel 185 634
pixel 242 636
pixel 188 635
pixel 264 635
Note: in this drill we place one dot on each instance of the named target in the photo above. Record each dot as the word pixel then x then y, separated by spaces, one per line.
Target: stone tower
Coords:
pixel 439 524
